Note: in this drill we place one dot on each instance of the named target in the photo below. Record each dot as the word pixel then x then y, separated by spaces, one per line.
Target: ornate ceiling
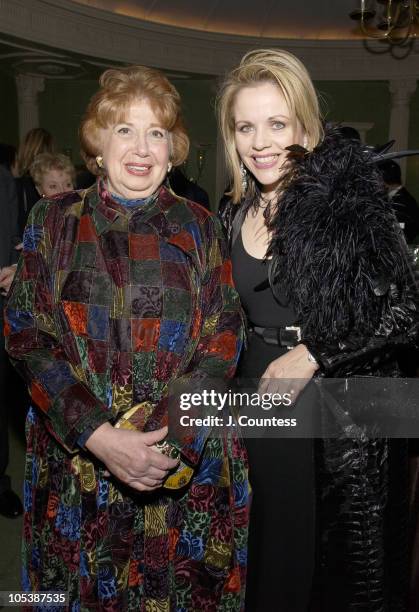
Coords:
pixel 24 57
pixel 290 19
pixel 67 39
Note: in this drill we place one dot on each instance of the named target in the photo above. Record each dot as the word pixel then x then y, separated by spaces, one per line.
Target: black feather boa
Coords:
pixel 336 245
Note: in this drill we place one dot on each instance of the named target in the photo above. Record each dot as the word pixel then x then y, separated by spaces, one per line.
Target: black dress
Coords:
pixel 282 522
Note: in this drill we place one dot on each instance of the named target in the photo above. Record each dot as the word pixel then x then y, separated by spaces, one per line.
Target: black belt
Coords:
pixel 288 336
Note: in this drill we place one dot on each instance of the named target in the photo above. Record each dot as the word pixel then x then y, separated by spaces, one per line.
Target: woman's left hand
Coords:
pixel 293 365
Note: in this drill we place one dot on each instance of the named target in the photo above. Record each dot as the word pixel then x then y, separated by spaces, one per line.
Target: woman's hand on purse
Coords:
pixel 295 364
pixel 131 455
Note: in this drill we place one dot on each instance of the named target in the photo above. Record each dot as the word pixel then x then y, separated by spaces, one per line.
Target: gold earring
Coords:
pixel 99 161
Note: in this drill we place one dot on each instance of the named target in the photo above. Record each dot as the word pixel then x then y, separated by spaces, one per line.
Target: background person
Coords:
pixel 130 290
pixel 321 269
pixel 186 188
pixel 10 504
pixel 36 141
pixel 8 158
pixel 87 172
pixel 405 205
pixel 52 173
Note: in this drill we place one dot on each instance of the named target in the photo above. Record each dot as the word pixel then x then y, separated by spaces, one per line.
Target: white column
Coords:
pixel 401 92
pixel 28 88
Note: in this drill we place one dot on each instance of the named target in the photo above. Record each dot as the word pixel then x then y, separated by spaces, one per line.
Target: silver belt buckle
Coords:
pixel 295 328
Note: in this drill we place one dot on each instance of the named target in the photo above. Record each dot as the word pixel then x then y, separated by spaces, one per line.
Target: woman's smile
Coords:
pixel 136 152
pixel 265 161
pixel 138 169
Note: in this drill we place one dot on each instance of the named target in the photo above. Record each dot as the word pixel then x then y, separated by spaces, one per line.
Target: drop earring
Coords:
pixel 244 176
pixel 305 141
pixel 169 167
pixel 99 161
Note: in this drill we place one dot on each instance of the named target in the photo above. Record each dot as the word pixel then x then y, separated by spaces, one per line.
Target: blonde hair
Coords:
pixel 44 162
pixel 119 88
pixel 291 76
pixel 35 142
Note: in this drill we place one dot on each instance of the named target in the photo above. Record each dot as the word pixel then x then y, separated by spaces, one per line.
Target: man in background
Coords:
pixel 405 205
pixel 10 504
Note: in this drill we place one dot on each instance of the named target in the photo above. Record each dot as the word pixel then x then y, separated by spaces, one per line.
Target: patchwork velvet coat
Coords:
pixel 110 305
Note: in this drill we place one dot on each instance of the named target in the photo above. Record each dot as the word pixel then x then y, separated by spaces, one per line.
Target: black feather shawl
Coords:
pixel 336 246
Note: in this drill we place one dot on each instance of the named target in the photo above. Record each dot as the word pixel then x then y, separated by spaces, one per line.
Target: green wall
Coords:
pixel 366 101
pixel 62 105
pixel 357 101
pixel 198 109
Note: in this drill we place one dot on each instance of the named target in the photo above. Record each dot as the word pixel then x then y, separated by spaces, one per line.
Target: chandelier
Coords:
pixel 396 21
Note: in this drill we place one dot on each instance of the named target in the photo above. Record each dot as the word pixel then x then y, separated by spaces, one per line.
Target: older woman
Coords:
pixel 52 174
pixel 123 289
pixel 322 272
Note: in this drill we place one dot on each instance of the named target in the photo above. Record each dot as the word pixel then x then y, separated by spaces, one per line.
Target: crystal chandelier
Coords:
pixel 396 21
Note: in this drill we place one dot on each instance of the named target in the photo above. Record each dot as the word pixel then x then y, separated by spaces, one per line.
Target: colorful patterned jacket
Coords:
pixel 110 305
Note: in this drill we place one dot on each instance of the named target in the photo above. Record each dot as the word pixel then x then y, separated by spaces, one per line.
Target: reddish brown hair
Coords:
pixel 119 88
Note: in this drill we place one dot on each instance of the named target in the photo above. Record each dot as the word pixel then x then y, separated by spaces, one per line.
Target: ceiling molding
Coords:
pixel 76 28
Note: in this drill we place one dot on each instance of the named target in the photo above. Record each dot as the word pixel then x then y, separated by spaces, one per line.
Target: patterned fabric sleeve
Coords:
pixel 33 338
pixel 220 333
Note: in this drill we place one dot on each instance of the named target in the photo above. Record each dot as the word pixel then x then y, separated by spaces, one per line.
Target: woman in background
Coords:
pixel 322 272
pixel 52 173
pixel 35 142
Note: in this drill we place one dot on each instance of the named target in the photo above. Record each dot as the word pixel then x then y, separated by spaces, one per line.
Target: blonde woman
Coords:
pixel 321 270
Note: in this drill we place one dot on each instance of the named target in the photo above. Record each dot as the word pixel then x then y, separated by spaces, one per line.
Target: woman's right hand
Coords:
pixel 131 455
pixel 7 275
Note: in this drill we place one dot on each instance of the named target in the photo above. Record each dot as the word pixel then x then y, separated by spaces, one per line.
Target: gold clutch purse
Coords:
pixel 135 418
